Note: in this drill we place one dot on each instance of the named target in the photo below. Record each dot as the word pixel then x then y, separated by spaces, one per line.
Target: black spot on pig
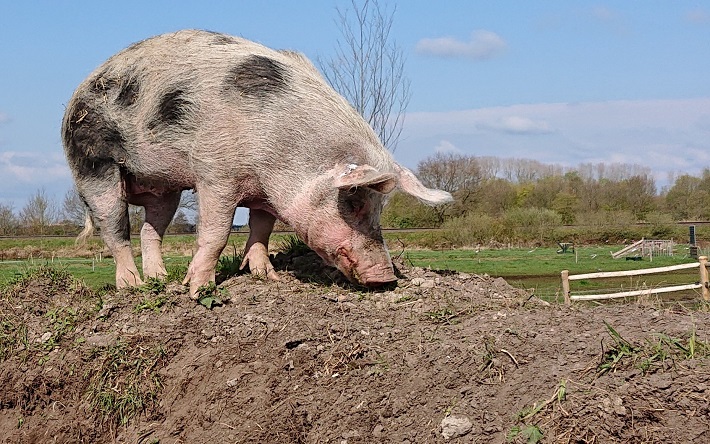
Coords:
pixel 126 87
pixel 128 94
pixel 173 111
pixel 93 142
pixel 258 76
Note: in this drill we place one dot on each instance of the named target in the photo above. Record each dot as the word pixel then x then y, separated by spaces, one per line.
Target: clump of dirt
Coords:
pixel 441 357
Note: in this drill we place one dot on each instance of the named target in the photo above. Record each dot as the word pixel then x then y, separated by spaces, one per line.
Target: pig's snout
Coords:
pixel 377 276
pixel 371 273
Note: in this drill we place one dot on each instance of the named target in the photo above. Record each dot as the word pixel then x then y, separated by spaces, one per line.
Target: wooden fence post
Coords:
pixel 704 281
pixel 565 286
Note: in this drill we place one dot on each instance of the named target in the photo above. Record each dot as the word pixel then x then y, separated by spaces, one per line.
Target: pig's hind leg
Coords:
pixel 159 212
pixel 106 199
pixel 256 252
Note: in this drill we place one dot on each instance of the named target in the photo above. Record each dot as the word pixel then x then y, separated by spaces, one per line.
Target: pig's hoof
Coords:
pixel 268 273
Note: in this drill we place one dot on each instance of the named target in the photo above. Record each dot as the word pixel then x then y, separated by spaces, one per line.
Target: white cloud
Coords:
pixel 667 136
pixel 482 45
pixel 517 125
pixel 445 146
pixel 32 168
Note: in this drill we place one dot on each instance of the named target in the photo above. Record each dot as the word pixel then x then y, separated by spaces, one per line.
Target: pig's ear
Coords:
pixel 409 183
pixel 353 176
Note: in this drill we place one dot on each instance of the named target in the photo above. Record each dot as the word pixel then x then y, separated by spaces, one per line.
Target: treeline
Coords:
pixel 522 200
pixel 496 200
pixel 44 216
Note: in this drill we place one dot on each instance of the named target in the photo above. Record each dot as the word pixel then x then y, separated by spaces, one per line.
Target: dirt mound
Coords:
pixel 442 357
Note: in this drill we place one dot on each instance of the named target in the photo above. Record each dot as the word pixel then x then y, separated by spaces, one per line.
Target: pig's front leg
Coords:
pixel 256 252
pixel 213 230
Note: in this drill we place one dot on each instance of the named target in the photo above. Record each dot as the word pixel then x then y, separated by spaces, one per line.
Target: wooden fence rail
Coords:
pixel 701 265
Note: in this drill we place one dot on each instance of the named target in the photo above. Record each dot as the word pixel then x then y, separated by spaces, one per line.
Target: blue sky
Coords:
pixel 561 82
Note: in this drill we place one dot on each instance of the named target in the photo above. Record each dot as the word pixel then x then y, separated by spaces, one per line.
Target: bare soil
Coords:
pixel 443 357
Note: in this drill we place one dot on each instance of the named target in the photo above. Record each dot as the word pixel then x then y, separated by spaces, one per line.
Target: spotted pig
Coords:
pixel 241 125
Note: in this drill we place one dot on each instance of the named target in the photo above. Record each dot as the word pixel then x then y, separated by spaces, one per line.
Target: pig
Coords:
pixel 241 125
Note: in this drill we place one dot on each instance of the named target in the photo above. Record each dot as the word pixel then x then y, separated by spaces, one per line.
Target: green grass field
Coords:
pixel 536 269
pixel 540 268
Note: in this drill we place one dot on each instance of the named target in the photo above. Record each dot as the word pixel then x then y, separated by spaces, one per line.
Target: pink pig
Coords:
pixel 242 125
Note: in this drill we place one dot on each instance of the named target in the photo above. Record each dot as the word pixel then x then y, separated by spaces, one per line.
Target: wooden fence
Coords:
pixel 704 283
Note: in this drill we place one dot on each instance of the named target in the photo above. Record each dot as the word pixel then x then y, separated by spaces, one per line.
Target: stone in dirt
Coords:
pixel 455 426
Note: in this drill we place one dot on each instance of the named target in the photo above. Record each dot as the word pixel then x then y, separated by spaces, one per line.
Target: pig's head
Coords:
pixel 340 218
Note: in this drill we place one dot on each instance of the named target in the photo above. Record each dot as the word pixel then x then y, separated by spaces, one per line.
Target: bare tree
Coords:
pixel 8 221
pixel 458 174
pixel 39 213
pixel 450 172
pixel 73 208
pixel 368 69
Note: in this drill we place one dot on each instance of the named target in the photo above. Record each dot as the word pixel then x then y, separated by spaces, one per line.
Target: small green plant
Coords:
pixel 405 298
pixel 154 304
pixel 444 315
pixel 153 286
pixel 11 333
pixel 209 295
pixel 531 433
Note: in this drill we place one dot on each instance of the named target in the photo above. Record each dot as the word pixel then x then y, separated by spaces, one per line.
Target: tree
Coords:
pixel 136 217
pixel 73 208
pixel 368 69
pixel 496 197
pixel 458 174
pixel 8 221
pixel 180 224
pixel 39 213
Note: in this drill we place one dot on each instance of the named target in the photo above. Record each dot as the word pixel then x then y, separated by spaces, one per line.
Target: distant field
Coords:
pixel 534 269
pixel 540 268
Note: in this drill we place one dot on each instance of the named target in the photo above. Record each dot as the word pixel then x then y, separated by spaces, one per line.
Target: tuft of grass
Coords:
pixel 292 245
pixel 12 334
pixel 62 321
pixel 652 355
pixel 444 315
pixel 622 349
pixel 176 272
pixel 531 433
pixel 229 266
pixel 126 381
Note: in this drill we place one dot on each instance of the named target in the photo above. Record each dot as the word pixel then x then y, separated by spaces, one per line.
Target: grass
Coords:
pixel 125 382
pixel 539 269
pixel 534 269
pixel 659 352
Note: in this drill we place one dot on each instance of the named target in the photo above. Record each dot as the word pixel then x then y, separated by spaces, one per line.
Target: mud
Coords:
pixel 443 357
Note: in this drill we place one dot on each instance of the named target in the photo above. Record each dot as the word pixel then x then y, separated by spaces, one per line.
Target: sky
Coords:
pixel 559 81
